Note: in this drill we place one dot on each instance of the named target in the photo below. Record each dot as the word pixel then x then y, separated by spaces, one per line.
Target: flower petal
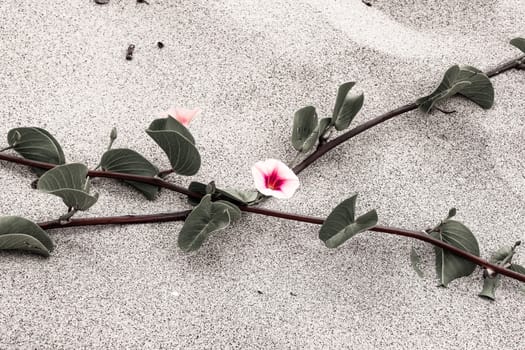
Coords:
pixel 283 186
pixel 185 116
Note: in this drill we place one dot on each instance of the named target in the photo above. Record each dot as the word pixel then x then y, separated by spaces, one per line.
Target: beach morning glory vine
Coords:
pixel 457 252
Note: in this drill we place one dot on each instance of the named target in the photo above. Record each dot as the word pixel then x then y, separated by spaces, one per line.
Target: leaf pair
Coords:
pixel 174 139
pixel 17 233
pixel 464 80
pixel 342 225
pixel 307 129
pixel 206 218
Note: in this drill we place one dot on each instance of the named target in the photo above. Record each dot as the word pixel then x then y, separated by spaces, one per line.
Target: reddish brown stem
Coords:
pixel 180 216
pixel 324 148
pixel 117 220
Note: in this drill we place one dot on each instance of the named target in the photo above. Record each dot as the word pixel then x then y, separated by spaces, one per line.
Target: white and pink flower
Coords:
pixel 273 178
pixel 182 115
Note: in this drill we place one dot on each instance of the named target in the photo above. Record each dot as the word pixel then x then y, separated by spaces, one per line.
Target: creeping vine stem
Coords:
pixel 517 63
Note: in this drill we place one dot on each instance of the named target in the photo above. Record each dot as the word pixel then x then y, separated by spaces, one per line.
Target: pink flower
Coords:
pixel 182 115
pixel 273 178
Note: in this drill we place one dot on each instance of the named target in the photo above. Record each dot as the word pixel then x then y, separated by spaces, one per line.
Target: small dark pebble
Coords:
pixel 101 2
pixel 34 184
pixel 142 2
pixel 367 3
pixel 129 53
pixel 259 292
pixel 160 45
pixel 293 294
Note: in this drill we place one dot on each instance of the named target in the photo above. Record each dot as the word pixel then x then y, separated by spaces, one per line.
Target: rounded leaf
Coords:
pixel 448 265
pixel 519 43
pixel 464 80
pixel 22 234
pixel 178 144
pixel 123 160
pixel 36 144
pixel 68 182
pixel 202 221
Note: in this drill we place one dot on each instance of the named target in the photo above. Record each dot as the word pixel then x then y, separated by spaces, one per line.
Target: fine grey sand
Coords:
pixel 265 283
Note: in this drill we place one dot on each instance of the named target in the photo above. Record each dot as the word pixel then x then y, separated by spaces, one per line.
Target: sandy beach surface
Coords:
pixel 264 283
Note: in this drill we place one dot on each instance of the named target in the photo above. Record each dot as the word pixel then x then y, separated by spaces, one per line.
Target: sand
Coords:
pixel 265 283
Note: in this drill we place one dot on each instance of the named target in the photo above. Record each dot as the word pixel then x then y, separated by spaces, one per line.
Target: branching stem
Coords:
pixel 178 216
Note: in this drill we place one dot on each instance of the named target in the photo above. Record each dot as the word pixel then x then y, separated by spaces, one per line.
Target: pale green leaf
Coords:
pixel 501 254
pixel 340 225
pixel 235 196
pixel 22 234
pixel 489 287
pixel 342 92
pixel 519 43
pixel 178 144
pixel 450 266
pixel 122 160
pixel 464 80
pixel 304 125
pixel 36 144
pixel 206 218
pixel 68 182
pixel 351 106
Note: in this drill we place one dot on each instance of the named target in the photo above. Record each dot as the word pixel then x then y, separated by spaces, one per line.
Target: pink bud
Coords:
pixel 273 178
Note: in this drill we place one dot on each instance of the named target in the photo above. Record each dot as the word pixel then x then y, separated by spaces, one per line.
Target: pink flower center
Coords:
pixel 273 181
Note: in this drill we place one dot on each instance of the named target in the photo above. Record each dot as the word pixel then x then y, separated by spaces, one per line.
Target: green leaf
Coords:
pixel 233 210
pixel 304 125
pixel 519 43
pixel 501 254
pixel 241 197
pixel 490 282
pixel 235 196
pixel 207 217
pixel 480 91
pixel 415 261
pixel 324 124
pixel 351 106
pixel 22 234
pixel 489 287
pixel 36 144
pixel 122 160
pixel 342 92
pixel 449 266
pixel 178 144
pixel 464 80
pixel 69 182
pixel 340 225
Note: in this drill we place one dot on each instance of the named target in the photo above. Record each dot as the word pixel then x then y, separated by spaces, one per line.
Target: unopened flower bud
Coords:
pixel 113 134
